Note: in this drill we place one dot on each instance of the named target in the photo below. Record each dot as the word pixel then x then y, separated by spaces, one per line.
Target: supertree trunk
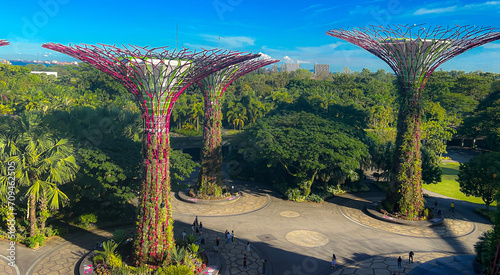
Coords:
pixel 413 52
pixel 210 180
pixel 154 218
pixel 405 192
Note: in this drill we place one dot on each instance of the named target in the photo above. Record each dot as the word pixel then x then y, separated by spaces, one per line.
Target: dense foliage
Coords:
pixel 309 148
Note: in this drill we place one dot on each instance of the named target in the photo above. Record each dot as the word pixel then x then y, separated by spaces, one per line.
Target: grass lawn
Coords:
pixel 449 186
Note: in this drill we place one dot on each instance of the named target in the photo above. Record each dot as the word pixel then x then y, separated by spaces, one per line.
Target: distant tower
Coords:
pixel 321 69
pixel 413 52
pixel 210 179
pixel 156 77
pixel 3 42
pixel 290 67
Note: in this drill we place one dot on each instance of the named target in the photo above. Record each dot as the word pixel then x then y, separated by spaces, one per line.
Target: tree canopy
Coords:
pixel 480 177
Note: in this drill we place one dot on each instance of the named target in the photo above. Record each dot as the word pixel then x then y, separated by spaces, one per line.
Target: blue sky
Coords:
pixel 292 31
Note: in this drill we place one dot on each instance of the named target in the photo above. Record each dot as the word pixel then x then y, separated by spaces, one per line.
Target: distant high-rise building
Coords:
pixel 290 67
pixel 321 69
pixel 274 68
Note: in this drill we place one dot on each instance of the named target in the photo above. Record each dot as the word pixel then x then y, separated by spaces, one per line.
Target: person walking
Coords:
pixel 264 263
pixel 232 235
pixel 228 236
pixel 245 261
pixel 217 241
pixel 399 262
pixel 452 207
pixel 334 262
pixel 248 247
pixel 184 234
pixel 410 257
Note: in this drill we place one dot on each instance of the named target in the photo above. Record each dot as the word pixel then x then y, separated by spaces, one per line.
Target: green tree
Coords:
pixel 438 127
pixel 43 162
pixel 480 177
pixel 237 115
pixel 485 121
pixel 306 145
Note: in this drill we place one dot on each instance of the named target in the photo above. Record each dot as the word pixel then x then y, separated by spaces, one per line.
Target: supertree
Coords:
pixel 156 77
pixel 413 52
pixel 210 179
pixel 3 42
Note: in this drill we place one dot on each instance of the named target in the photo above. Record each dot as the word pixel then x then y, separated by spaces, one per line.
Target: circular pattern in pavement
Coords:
pixel 248 202
pixel 306 238
pixel 289 214
pixel 454 225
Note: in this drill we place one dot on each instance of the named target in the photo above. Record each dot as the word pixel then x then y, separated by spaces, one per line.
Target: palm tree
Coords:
pixel 237 114
pixel 42 163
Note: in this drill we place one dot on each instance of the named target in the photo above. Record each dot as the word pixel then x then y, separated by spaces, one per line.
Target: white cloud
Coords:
pixel 423 11
pixel 264 56
pixel 469 7
pixel 481 5
pixel 288 59
pixel 230 41
pixel 312 7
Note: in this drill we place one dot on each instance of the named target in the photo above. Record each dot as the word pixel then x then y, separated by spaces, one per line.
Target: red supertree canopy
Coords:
pixel 3 42
pixel 221 79
pixel 156 75
pixel 415 51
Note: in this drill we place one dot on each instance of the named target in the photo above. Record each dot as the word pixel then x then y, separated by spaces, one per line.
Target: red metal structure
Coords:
pixel 3 42
pixel 156 77
pixel 413 52
pixel 210 179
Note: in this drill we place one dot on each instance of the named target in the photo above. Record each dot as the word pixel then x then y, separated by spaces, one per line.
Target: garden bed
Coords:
pixel 372 211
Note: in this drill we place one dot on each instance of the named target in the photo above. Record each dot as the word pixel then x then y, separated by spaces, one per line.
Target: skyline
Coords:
pixel 292 33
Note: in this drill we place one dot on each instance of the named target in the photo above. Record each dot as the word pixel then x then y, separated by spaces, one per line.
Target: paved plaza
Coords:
pixel 294 238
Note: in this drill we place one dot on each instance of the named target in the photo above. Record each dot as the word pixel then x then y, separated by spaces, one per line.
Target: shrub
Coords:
pixel 294 195
pixel 30 242
pixel 177 254
pixel 193 248
pixel 115 261
pixel 486 248
pixel 175 270
pixel 85 219
pixel 190 239
pixel 314 198
pixel 40 239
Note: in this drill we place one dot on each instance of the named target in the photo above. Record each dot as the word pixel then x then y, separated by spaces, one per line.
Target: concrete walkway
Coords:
pixel 295 238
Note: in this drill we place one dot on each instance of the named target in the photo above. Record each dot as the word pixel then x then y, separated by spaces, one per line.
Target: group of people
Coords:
pixel 410 260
